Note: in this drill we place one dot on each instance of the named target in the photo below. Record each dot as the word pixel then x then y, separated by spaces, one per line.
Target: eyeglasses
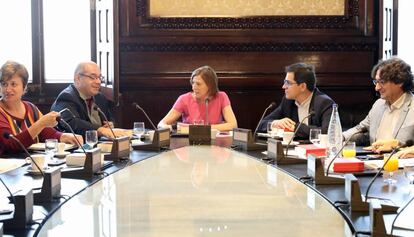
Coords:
pixel 380 82
pixel 289 83
pixel 93 77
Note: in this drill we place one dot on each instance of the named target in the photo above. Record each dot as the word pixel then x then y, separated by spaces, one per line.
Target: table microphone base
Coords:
pixel 354 198
pixel 276 152
pixel 160 140
pixel 377 220
pixel 119 150
pixel 317 172
pixel 23 211
pixel 91 166
pixel 50 188
pixel 244 140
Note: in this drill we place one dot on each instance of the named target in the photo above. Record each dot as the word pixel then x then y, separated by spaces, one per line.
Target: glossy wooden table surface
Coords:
pixel 197 191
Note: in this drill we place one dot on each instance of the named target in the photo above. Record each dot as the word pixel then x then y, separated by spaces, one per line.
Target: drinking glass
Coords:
pixel 272 132
pixel 409 171
pixel 391 166
pixel 139 129
pixel 349 150
pixel 314 135
pixel 198 122
pixel 51 147
pixel 91 138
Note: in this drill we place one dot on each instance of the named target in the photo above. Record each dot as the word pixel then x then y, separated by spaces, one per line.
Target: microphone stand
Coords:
pixel 120 146
pixel 92 162
pixel 297 129
pixel 353 192
pixel 146 115
pixel 73 133
pixel 339 152
pixel 51 178
pixel 161 138
pixel 207 122
pixel 244 139
pixel 316 168
pixel 261 118
pixel 402 209
pixel 379 172
pixel 106 119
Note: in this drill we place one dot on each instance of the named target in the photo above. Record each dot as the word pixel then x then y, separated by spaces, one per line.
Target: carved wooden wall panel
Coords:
pixel 158 54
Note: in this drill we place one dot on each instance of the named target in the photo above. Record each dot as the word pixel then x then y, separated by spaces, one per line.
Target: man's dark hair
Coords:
pixel 394 70
pixel 304 73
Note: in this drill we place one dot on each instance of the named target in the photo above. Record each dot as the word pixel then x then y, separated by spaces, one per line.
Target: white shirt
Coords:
pixel 303 109
pixel 390 118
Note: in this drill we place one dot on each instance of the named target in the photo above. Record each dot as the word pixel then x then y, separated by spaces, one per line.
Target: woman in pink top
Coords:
pixel 206 104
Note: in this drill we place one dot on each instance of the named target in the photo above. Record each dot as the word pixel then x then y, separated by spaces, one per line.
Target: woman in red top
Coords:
pixel 20 118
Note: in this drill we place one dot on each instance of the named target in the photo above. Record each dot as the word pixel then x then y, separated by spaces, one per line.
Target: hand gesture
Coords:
pixel 49 119
pixel 384 145
pixel 407 152
pixel 286 124
pixel 70 139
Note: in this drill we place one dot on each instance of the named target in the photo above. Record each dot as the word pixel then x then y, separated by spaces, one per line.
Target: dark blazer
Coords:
pixel 320 103
pixel 70 98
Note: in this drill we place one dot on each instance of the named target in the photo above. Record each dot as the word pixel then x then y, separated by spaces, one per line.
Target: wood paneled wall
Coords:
pixel 157 56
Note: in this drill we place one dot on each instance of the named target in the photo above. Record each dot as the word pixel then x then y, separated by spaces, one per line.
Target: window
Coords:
pixel 67 37
pixel 63 32
pixel 405 38
pixel 16 33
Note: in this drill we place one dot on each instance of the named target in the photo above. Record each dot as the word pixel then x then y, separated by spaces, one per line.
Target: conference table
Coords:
pixel 198 191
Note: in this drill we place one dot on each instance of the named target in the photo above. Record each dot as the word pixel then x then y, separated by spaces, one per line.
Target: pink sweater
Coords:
pixel 192 110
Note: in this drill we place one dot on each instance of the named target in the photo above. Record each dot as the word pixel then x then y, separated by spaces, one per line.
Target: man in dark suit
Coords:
pixel 83 100
pixel 301 97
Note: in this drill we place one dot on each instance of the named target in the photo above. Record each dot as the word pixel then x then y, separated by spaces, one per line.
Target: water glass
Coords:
pixel 198 122
pixel 314 135
pixel 91 138
pixel 390 168
pixel 409 171
pixel 139 129
pixel 349 150
pixel 51 147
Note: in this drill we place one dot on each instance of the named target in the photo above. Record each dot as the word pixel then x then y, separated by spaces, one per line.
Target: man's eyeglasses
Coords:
pixel 380 82
pixel 288 83
pixel 93 77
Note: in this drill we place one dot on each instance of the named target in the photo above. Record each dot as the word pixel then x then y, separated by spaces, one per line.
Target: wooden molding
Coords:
pixel 352 12
pixel 246 47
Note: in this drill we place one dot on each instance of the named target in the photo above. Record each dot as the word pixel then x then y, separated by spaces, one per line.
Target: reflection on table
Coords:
pixel 197 191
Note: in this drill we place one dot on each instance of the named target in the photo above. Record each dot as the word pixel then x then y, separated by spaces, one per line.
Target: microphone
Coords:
pixel 10 193
pixel 59 119
pixel 66 109
pixel 207 100
pixel 273 104
pixel 95 107
pixel 146 115
pixel 402 209
pixel 8 136
pixel 339 152
pixel 408 143
pixel 297 129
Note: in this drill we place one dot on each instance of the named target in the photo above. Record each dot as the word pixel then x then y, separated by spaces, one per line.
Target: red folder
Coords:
pixel 348 165
pixel 304 150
